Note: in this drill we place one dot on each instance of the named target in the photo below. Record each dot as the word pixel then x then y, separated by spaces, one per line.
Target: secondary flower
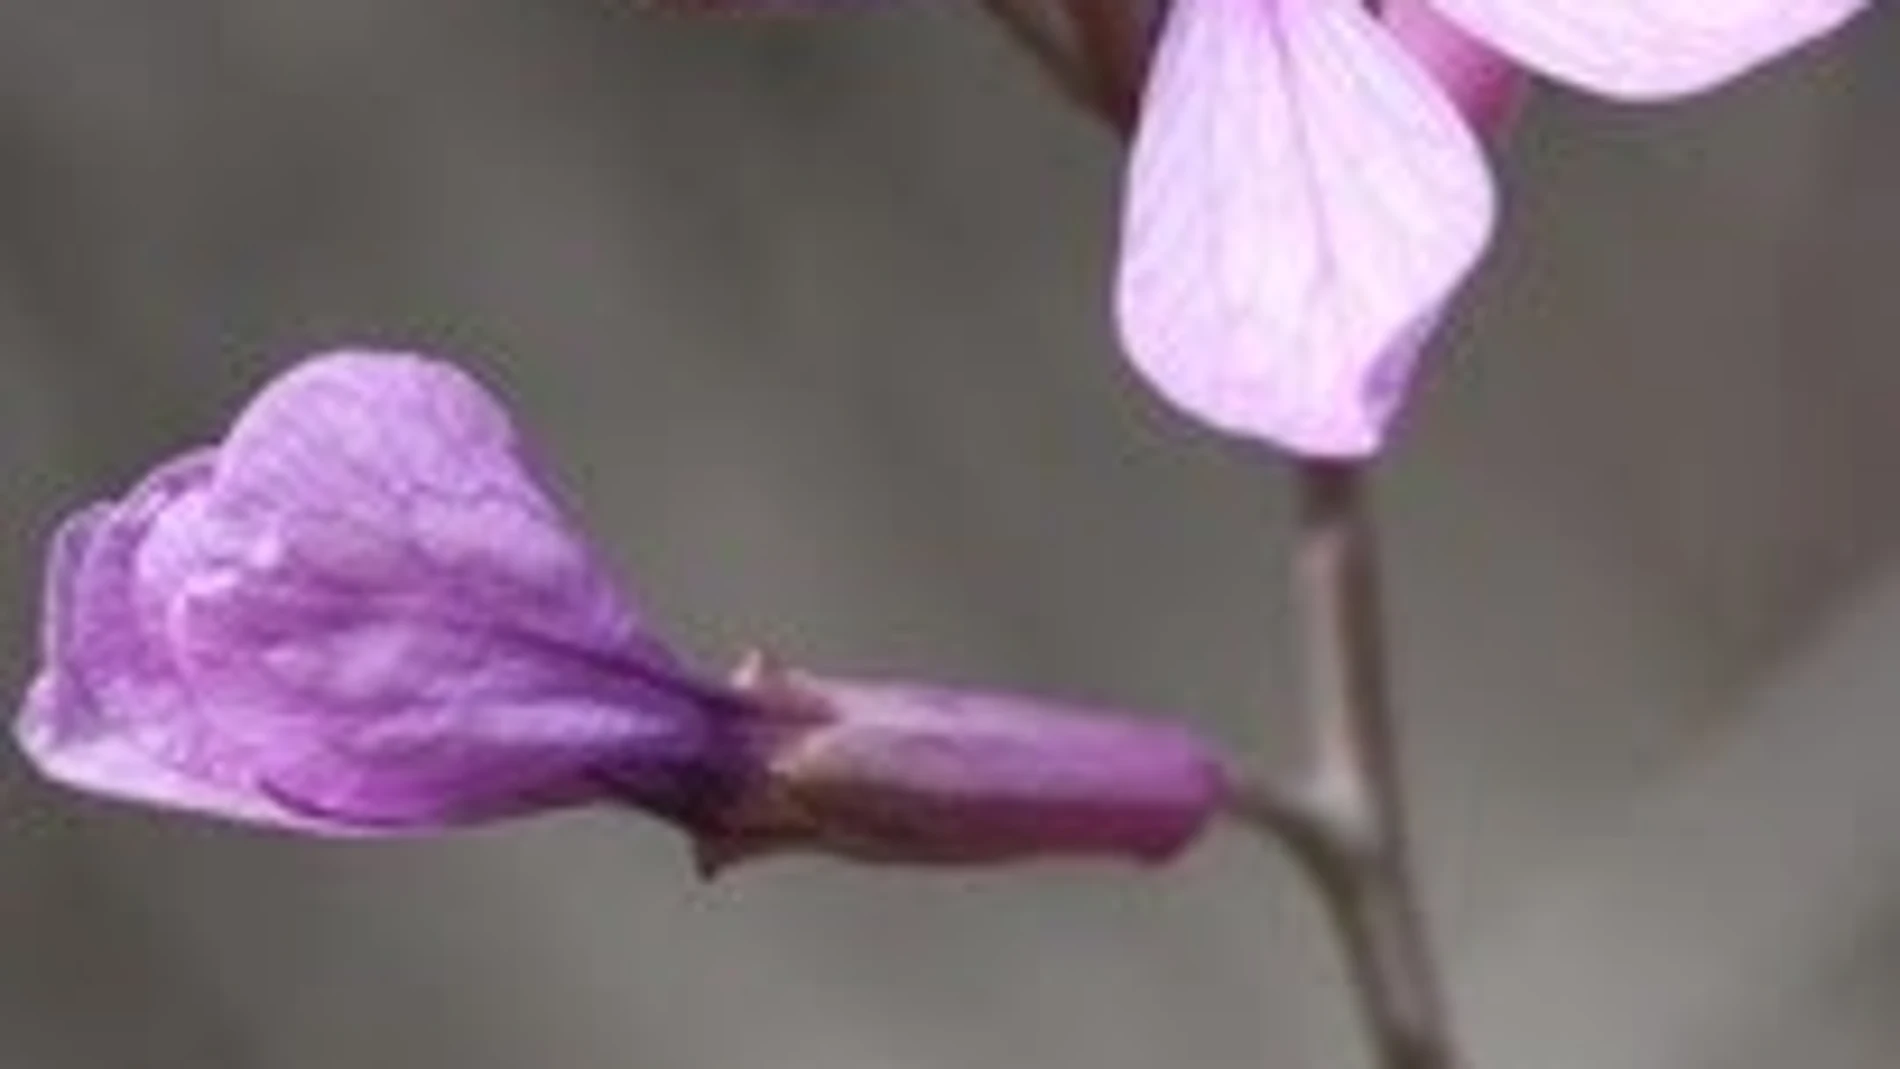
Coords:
pixel 363 613
pixel 1305 195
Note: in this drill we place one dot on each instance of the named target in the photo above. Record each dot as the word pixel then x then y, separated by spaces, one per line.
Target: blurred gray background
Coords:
pixel 812 322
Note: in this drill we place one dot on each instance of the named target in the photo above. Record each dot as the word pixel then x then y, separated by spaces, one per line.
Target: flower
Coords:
pixel 1304 194
pixel 363 613
pixel 360 611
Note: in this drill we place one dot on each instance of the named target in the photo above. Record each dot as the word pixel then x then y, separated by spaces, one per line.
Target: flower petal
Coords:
pixel 1302 200
pixel 1648 49
pixel 1483 82
pixel 385 470
pixel 361 610
pixel 119 732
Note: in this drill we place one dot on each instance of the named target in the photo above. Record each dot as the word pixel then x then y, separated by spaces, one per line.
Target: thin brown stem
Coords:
pixel 1112 38
pixel 1028 24
pixel 1336 586
pixel 1354 784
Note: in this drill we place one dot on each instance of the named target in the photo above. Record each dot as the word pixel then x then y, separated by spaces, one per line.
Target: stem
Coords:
pixel 1097 66
pixel 1354 789
pixel 1114 43
pixel 1029 27
pixel 1344 819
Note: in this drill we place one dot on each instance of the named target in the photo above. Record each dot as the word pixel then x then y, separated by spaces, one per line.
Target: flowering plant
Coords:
pixel 364 612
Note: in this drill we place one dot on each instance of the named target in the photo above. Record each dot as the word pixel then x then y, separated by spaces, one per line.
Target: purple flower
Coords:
pixel 1304 194
pixel 363 613
pixel 359 611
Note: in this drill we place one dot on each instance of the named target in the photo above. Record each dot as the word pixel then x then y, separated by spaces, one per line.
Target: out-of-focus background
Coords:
pixel 811 321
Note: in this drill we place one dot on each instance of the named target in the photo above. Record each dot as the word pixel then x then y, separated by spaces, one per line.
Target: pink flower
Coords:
pixel 364 613
pixel 1306 191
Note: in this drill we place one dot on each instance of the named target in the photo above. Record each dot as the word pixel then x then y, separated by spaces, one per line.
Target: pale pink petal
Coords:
pixel 1302 201
pixel 1648 49
pixel 1483 82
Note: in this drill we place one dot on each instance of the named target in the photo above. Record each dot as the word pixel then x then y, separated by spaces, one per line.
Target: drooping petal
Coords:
pixel 107 713
pixel 361 610
pixel 1648 49
pixel 1302 200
